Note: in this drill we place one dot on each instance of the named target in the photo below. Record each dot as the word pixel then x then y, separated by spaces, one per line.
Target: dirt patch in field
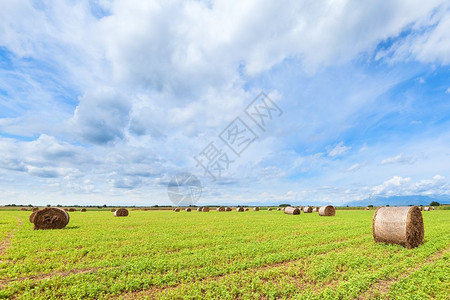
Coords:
pixel 49 276
pixel 382 287
pixel 4 245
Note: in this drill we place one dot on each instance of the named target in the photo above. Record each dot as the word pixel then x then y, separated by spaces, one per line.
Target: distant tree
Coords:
pixel 48 205
pixel 29 205
pixel 59 205
pixel 387 205
pixel 435 203
pixel 284 205
pixel 104 205
pixel 370 205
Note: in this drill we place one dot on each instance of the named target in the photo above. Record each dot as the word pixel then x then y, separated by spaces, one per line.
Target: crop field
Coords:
pixel 221 255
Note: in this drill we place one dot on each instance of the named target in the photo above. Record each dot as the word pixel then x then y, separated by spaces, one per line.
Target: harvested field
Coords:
pixel 255 255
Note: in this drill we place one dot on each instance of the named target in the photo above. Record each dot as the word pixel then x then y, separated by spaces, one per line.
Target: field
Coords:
pixel 222 255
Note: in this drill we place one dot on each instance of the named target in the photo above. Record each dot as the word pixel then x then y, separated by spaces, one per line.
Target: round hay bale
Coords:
pixel 50 218
pixel 66 209
pixel 269 209
pixel 398 225
pixel 315 209
pixel 327 210
pixel 121 212
pixel 187 209
pixel 256 208
pixel 205 209
pixel 199 209
pixel 279 208
pixel 367 208
pixel 113 210
pixel 83 210
pixel 35 209
pixel 292 210
pixel 176 209
pixel 307 209
pixel 228 209
pixel 432 208
pixel 23 209
pixel 31 218
pixel 426 208
pixel 247 209
pixel 220 208
pixel 72 209
pixel 239 209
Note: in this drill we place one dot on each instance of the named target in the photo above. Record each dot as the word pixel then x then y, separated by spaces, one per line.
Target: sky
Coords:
pixel 105 102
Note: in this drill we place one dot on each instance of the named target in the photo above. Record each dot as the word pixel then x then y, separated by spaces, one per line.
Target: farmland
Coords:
pixel 223 255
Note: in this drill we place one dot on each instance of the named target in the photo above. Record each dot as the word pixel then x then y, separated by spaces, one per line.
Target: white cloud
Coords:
pixel 399 159
pixel 338 150
pixel 392 186
pixel 355 167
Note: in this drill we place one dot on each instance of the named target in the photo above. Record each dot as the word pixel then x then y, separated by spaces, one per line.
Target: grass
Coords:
pixel 222 255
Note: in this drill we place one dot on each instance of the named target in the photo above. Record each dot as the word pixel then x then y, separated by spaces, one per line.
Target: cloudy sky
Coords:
pixel 103 102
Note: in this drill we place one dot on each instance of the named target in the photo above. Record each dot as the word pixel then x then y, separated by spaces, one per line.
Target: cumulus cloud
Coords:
pixel 398 185
pixel 102 116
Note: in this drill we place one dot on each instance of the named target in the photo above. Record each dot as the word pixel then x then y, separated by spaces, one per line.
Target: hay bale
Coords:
pixel 279 208
pixel 426 208
pixel 220 208
pixel 367 208
pixel 307 209
pixel 187 209
pixel 31 217
pixel 50 218
pixel 247 209
pixel 292 210
pixel 432 208
pixel 23 209
pixel 72 209
pixel 113 210
pixel 398 225
pixel 83 210
pixel 239 209
pixel 315 209
pixel 121 212
pixel 176 209
pixel 327 210
pixel 205 209
pixel 66 209
pixel 199 209
pixel 269 209
pixel 228 209
pixel 35 209
pixel 255 208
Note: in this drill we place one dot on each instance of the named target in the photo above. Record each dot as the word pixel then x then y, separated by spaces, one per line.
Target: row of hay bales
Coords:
pixel 219 209
pixel 393 225
pixel 327 210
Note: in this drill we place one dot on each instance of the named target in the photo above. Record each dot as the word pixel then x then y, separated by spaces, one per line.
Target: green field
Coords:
pixel 222 255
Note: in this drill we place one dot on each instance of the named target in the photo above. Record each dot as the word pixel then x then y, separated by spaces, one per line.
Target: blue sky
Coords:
pixel 103 102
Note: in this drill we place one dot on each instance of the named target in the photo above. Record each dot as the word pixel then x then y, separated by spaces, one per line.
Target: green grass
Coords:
pixel 226 255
